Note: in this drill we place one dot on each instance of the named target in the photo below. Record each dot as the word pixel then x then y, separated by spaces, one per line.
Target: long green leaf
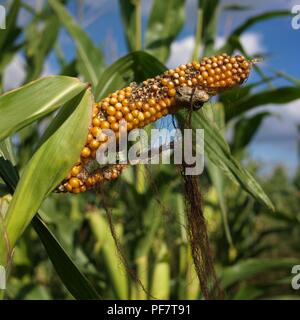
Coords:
pixel 50 164
pixel 39 42
pixel 106 245
pixel 90 58
pixel 210 9
pixel 73 279
pixel 129 13
pixel 11 32
pixel 165 22
pixel 275 96
pixel 245 129
pixel 248 268
pixel 22 106
pixel 230 44
pixel 77 284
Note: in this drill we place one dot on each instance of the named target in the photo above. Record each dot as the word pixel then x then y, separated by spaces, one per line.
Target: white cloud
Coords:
pixel 14 73
pixel 181 51
pixel 283 124
pixel 251 41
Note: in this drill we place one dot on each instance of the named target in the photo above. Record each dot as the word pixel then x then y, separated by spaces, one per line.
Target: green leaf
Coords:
pixel 249 268
pixel 106 245
pixel 77 284
pixel 275 96
pixel 129 14
pixel 219 153
pixel 245 129
pixel 8 36
pixel 22 106
pixel 39 43
pixel 210 9
pixel 236 7
pixel 50 163
pixel 136 66
pixel 258 18
pixel 73 279
pixel 90 58
pixel 217 178
pixel 8 173
pixel 6 150
pixel 230 44
pixel 165 22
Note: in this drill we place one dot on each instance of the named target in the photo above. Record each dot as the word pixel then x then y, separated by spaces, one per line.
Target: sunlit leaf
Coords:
pixel 90 57
pixel 22 106
pixel 165 22
pixel 50 163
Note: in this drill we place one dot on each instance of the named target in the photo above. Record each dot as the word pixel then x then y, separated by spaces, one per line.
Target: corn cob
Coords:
pixel 142 104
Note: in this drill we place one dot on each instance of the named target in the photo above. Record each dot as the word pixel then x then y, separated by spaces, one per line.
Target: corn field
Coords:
pixel 136 232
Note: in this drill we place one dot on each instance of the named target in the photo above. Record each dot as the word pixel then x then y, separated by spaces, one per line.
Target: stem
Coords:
pixel 142 274
pixel 140 170
pixel 198 35
pixel 138 25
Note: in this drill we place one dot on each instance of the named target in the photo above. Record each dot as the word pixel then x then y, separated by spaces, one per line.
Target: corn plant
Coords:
pixel 143 210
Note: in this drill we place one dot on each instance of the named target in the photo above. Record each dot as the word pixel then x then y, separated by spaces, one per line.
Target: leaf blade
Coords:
pixel 26 104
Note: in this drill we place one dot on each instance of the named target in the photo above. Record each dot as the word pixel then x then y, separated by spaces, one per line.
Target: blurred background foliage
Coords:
pixel 254 248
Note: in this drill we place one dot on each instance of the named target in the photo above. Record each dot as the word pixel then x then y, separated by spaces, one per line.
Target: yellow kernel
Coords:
pixel 147 114
pixel 135 113
pixel 135 121
pixel 170 84
pixel 152 111
pixel 89 138
pixel 96 122
pixel 85 153
pixel 118 106
pixel 105 125
pixel 121 97
pixel 68 187
pixel 76 170
pixel 132 106
pixel 95 131
pixel 151 102
pixel 164 81
pixel 141 117
pixel 125 102
pixel 125 110
pixel 129 117
pixel 94 144
pixel 119 115
pixel 111 119
pixel 111 110
pixel 146 106
pixel 113 101
pixel 204 74
pixel 172 92
pixel 139 104
pixel 104 105
pixel 115 126
pixel 157 107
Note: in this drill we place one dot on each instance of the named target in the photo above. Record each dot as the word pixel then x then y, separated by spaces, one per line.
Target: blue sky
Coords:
pixel 276 141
